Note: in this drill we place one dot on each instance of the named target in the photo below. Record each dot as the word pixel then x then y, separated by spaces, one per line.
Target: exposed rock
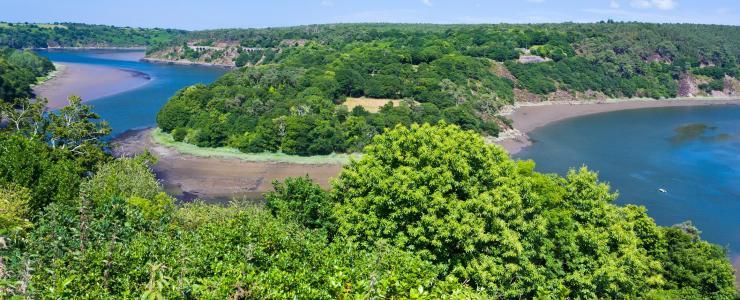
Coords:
pixel 526 96
pixel 527 59
pixel 561 96
pixel 687 86
pixel 293 42
pixel 500 70
pixel 655 57
pixel 719 94
pixel 732 86
pixel 592 95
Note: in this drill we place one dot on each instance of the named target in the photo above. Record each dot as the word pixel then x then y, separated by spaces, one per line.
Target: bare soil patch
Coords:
pixel 370 104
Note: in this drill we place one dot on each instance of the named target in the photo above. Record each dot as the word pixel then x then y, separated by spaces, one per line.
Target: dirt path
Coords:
pixel 189 177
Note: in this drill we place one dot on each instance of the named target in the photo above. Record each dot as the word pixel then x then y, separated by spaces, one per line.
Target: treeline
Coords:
pixel 29 35
pixel 458 73
pixel 18 71
pixel 428 212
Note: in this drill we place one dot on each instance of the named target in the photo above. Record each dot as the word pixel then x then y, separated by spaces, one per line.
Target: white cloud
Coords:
pixel 327 3
pixel 427 2
pixel 659 4
pixel 614 4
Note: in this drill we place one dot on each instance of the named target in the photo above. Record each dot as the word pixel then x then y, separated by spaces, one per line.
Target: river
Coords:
pixel 693 153
pixel 135 108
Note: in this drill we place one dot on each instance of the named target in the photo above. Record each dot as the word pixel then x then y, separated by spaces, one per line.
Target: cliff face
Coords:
pixel 732 86
pixel 687 86
pixel 219 55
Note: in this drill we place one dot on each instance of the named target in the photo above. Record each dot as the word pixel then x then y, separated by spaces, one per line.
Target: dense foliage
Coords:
pixel 28 35
pixel 462 74
pixel 429 212
pixel 18 71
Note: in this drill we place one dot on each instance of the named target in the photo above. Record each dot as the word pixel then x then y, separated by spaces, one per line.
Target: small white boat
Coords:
pixel 662 190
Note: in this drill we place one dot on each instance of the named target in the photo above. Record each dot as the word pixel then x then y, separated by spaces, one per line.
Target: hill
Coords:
pixel 289 96
pixel 30 35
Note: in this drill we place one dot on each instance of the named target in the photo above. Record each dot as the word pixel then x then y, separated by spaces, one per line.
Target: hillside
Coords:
pixel 30 35
pixel 18 71
pixel 290 96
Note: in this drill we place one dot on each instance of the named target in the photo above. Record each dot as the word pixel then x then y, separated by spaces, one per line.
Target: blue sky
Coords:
pixel 207 14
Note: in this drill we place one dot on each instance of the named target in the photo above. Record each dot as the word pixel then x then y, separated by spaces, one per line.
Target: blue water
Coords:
pixel 137 108
pixel 640 151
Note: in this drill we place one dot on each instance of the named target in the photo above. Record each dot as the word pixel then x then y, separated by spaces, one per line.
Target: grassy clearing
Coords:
pixel 166 139
pixel 370 104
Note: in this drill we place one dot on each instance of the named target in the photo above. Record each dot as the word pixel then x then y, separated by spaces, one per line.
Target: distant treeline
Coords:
pixel 459 73
pixel 28 35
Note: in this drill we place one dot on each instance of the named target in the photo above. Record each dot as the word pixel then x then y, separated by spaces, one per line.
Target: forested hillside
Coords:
pixel 28 35
pixel 429 212
pixel 289 96
pixel 18 71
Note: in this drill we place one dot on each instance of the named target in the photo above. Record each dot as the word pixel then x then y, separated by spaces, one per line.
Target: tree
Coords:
pixel 301 200
pixel 75 128
pixel 26 117
pixel 14 212
pixel 497 225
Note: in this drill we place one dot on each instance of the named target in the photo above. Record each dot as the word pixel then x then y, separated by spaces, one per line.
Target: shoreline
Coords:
pixel 530 116
pixel 90 82
pixel 216 179
pixel 185 63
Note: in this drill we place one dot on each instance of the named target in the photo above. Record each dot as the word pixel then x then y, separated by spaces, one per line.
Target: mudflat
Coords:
pixel 89 82
pixel 527 117
pixel 190 177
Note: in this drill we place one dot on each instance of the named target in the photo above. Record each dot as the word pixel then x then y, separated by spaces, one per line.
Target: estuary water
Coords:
pixel 691 153
pixel 135 108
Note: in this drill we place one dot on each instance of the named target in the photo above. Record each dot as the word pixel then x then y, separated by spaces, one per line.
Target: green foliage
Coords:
pixel 445 71
pixel 50 175
pixel 301 200
pixel 430 212
pixel 14 212
pixel 24 35
pixel 714 85
pixel 126 178
pixel 503 228
pixel 18 71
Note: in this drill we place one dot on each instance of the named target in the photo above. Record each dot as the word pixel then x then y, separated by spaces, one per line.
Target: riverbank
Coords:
pixel 185 62
pixel 87 81
pixel 530 116
pixel 189 176
pixel 58 69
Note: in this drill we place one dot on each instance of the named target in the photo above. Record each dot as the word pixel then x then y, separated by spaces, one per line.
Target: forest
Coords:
pixel 18 71
pixel 429 212
pixel 30 35
pixel 289 96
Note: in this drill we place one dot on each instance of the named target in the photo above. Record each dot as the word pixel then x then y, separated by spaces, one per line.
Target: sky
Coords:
pixel 210 14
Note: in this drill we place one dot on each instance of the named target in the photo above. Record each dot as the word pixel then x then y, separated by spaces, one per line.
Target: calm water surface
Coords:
pixel 137 108
pixel 692 152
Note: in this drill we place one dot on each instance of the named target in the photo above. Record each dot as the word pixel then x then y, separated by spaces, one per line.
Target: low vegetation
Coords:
pixel 428 212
